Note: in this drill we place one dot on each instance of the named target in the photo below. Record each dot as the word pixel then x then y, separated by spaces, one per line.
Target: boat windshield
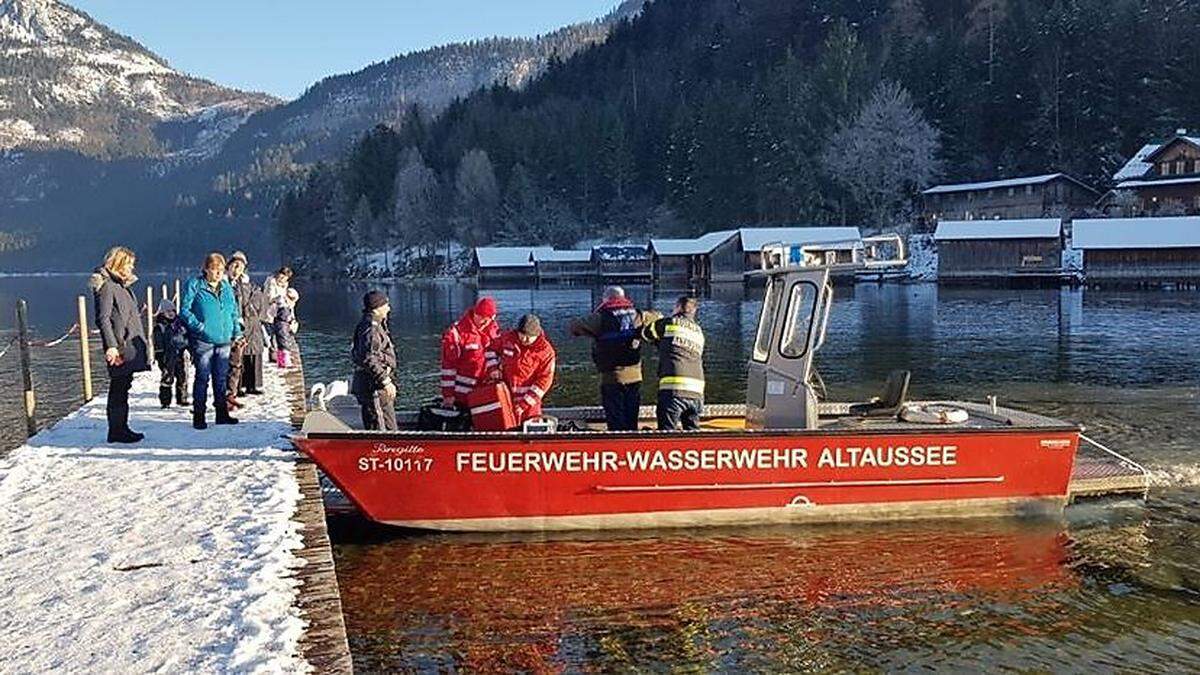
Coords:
pixel 802 303
pixel 766 320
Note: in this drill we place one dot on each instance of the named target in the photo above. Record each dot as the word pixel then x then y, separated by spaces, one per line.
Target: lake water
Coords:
pixel 1114 586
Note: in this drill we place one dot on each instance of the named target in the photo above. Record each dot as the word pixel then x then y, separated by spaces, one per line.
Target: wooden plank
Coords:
pixel 324 644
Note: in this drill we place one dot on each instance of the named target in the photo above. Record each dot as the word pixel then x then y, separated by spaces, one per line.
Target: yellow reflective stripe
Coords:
pixel 682 383
pixel 654 330
pixel 685 332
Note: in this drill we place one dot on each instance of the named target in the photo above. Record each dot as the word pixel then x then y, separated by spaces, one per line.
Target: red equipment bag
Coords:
pixel 491 407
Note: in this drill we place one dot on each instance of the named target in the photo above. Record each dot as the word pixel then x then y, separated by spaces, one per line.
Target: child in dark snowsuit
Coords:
pixel 285 327
pixel 170 353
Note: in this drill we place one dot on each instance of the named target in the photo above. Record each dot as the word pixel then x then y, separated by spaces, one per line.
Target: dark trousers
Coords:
pixel 621 405
pixel 174 381
pixel 117 409
pixel 245 371
pixel 378 411
pixel 678 412
pixel 211 361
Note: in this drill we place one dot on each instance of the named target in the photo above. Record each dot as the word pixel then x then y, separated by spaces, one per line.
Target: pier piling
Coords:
pixel 26 370
pixel 85 350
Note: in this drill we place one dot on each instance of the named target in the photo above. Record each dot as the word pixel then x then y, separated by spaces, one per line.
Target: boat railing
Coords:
pixel 884 251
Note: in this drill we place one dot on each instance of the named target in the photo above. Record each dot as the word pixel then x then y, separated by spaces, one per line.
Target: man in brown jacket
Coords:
pixel 616 351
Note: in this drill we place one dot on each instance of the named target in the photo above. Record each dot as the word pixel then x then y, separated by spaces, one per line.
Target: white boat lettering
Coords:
pixel 853 457
pixel 396 464
pixel 578 461
pixel 385 449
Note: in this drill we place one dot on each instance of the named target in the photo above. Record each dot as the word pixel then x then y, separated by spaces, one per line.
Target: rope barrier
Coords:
pixel 8 346
pixel 57 341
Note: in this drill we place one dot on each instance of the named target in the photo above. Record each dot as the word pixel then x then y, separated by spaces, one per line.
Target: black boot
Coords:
pixel 125 436
pixel 223 416
pixel 198 420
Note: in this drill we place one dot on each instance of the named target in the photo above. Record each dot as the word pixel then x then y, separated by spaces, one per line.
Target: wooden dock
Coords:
pixel 324 644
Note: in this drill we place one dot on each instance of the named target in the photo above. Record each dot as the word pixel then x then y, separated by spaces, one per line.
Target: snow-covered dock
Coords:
pixel 197 551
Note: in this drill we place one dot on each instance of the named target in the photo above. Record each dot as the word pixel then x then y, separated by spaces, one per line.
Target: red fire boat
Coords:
pixel 783 456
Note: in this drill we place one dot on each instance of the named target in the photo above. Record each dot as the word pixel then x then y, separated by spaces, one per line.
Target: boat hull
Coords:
pixel 521 482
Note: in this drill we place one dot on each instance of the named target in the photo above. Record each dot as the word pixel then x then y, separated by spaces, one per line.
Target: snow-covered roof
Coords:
pixel 507 256
pixel 698 246
pixel 552 255
pixel 620 252
pixel 1137 166
pixel 1193 140
pixel 1157 181
pixel 754 238
pixel 1006 183
pixel 1168 232
pixel 1025 228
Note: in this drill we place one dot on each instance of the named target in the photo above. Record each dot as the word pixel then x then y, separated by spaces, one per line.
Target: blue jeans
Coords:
pixel 211 360
pixel 678 412
pixel 621 403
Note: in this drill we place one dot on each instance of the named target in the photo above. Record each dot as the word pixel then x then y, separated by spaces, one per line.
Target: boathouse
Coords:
pixel 715 256
pixel 1054 194
pixel 1161 177
pixel 553 266
pixel 505 263
pixel 1139 250
pixel 622 262
pixel 999 249
pixel 841 240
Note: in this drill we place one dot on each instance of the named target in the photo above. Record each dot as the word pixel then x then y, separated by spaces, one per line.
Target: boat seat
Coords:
pixel 895 393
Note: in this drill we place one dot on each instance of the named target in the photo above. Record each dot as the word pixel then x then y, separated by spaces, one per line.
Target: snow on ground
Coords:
pixel 170 555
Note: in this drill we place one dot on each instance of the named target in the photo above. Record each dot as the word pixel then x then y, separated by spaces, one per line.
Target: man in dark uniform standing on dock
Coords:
pixel 374 365
pixel 680 366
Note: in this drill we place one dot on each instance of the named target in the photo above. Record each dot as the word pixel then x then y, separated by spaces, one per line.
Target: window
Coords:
pixel 1028 189
pixel 1179 167
pixel 1165 168
pixel 1012 191
pixel 1196 166
pixel 802 303
pixel 766 320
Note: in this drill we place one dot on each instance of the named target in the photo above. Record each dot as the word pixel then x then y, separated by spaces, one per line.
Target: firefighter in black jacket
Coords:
pixel 680 344
pixel 374 364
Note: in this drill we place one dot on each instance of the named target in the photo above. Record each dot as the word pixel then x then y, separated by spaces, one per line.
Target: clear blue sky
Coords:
pixel 283 46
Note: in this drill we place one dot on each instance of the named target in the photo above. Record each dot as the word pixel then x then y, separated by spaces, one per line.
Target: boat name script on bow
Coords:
pixel 708 459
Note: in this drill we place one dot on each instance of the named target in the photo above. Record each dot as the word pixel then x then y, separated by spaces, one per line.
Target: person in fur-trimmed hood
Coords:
pixel 122 335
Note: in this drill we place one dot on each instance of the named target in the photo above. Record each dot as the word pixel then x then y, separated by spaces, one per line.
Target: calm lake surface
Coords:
pixel 1113 586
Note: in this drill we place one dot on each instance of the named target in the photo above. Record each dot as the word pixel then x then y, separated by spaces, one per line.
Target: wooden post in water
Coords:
pixel 178 297
pixel 150 321
pixel 26 372
pixel 85 350
pixel 164 292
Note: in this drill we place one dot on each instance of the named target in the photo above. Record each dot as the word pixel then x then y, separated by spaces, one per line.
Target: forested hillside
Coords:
pixel 705 113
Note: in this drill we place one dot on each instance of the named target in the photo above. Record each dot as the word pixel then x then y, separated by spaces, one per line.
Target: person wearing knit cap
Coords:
pixel 525 361
pixel 374 358
pixel 246 355
pixel 464 345
pixel 170 353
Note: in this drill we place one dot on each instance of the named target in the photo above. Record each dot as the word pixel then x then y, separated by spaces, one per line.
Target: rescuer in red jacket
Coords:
pixel 463 351
pixel 524 360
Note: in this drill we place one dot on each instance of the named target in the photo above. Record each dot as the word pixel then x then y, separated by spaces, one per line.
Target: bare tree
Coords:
pixel 885 154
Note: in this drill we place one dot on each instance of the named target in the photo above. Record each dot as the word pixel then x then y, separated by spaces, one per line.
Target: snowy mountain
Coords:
pixel 68 82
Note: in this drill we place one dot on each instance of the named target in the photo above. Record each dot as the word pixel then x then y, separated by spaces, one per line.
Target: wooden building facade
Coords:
pixel 1050 195
pixel 563 266
pixel 999 250
pixel 690 262
pixel 1164 177
pixel 1139 250
pixel 622 263
pixel 505 264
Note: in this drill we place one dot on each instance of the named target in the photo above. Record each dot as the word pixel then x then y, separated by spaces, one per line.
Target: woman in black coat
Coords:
pixel 123 337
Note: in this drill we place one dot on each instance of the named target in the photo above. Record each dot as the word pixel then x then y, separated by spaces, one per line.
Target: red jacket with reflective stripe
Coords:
pixel 463 356
pixel 527 370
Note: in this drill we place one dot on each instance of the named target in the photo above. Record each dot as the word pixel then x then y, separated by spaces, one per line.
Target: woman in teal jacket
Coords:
pixel 210 311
